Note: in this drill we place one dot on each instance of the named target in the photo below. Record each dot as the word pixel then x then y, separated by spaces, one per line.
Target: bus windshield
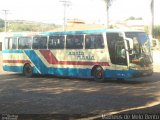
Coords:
pixel 141 48
pixel 142 44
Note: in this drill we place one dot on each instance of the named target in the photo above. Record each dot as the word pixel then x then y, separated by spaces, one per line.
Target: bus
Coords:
pixel 97 54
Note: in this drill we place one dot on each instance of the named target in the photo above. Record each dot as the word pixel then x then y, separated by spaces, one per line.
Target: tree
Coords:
pixel 156 31
pixel 131 18
pixel 108 4
pixel 19 26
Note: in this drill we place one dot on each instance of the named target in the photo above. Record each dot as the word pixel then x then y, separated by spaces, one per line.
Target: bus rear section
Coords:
pixel 65 54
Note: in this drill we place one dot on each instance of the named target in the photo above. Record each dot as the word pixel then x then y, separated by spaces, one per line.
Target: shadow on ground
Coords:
pixel 59 95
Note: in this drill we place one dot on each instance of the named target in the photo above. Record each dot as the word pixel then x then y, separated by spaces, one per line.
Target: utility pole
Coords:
pixel 5 13
pixel 151 25
pixel 108 5
pixel 152 17
pixel 65 4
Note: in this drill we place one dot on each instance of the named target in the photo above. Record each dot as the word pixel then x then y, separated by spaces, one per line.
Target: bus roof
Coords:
pixel 88 31
pixel 19 34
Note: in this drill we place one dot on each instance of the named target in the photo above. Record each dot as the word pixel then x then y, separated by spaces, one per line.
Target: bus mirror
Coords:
pixel 155 44
pixel 130 43
pixel 123 53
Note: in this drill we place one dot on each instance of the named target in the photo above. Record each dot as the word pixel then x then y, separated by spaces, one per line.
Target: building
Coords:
pixel 76 24
pixel 130 24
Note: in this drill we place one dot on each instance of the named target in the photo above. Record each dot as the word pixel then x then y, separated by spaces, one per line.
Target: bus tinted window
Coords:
pixel 6 43
pixel 14 43
pixel 115 46
pixel 24 43
pixel 10 43
pixel 39 43
pixel 56 42
pixel 74 42
pixel 94 41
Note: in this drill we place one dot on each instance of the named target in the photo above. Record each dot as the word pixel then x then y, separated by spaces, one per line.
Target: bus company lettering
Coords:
pixel 81 55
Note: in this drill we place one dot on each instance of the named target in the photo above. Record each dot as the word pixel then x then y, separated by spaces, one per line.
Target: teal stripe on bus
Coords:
pixel 12 51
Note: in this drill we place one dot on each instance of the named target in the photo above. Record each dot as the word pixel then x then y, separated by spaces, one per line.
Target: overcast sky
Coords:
pixel 91 11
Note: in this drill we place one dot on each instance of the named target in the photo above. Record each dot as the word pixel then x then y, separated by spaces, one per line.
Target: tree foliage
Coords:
pixel 108 3
pixel 18 26
pixel 156 31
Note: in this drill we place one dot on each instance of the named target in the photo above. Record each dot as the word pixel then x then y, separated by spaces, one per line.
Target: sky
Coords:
pixel 90 11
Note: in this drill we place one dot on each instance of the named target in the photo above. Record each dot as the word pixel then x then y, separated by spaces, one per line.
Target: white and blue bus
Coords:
pixel 98 54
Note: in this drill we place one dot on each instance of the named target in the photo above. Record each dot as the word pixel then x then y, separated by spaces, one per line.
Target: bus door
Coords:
pixel 120 58
pixel 117 53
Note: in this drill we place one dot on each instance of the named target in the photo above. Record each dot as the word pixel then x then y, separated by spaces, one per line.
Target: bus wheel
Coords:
pixel 27 70
pixel 98 74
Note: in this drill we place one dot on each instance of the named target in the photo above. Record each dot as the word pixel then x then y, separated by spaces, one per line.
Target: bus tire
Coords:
pixel 98 74
pixel 27 70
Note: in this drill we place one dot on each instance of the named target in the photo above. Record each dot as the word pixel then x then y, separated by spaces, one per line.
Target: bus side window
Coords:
pixel 14 43
pixel 94 41
pixel 24 43
pixel 6 43
pixel 56 42
pixel 10 43
pixel 39 43
pixel 116 46
pixel 74 42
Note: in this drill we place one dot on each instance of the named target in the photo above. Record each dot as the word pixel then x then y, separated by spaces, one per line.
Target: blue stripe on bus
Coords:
pixel 70 72
pixel 55 71
pixel 12 51
pixel 84 73
pixel 13 68
pixel 36 61
pixel 44 69
pixel 119 73
pixel 77 72
pixel 73 32
pixel 17 69
pixel 86 32
pixel 126 74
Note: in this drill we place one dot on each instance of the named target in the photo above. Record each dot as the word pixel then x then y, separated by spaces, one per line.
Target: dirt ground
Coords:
pixel 85 97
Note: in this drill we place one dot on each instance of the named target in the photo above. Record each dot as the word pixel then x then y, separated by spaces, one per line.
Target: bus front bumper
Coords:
pixel 143 71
